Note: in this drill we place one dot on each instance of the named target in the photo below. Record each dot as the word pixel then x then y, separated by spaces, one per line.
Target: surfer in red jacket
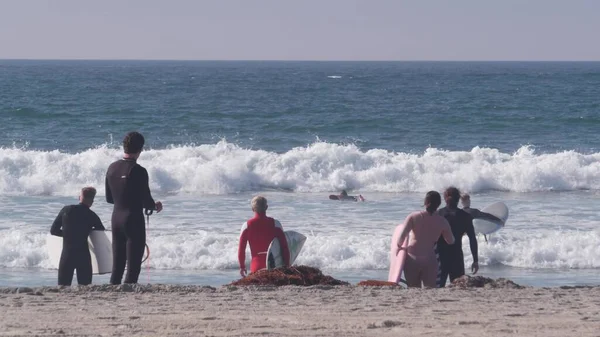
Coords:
pixel 259 232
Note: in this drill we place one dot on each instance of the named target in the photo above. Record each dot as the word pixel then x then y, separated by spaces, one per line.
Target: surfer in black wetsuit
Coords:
pixel 451 256
pixel 345 197
pixel 74 224
pixel 127 188
pixel 465 200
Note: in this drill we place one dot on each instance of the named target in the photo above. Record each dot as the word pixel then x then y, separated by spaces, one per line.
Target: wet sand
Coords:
pixel 169 310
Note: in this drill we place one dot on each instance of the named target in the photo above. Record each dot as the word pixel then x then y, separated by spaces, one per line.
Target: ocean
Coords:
pixel 219 133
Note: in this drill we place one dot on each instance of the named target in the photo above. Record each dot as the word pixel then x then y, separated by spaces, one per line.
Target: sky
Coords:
pixel 483 30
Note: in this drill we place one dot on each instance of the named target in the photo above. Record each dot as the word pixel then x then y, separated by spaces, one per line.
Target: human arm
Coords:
pixel 57 224
pixel 242 249
pixel 282 242
pixel 147 199
pixel 109 197
pixel 488 216
pixel 97 223
pixel 473 245
pixel 407 226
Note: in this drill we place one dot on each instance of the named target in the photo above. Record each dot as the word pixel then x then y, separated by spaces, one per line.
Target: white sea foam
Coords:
pixel 202 250
pixel 227 168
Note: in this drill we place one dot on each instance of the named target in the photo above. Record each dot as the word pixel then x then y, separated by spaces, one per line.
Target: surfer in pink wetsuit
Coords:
pixel 423 229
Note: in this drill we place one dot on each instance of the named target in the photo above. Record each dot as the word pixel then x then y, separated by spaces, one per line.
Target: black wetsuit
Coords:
pixel 74 224
pixel 451 256
pixel 127 188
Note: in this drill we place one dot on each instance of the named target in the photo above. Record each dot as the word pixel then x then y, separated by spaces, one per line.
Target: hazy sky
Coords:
pixel 301 29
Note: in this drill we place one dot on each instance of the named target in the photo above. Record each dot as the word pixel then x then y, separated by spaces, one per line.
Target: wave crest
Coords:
pixel 224 167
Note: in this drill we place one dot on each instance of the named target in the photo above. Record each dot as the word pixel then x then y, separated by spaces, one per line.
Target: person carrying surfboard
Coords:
pixel 424 227
pixel 258 232
pixel 451 256
pixel 74 224
pixel 465 200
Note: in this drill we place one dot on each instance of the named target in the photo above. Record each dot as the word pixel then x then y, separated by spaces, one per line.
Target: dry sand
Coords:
pixel 163 310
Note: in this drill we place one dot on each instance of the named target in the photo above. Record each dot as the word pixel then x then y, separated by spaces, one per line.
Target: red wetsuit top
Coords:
pixel 259 232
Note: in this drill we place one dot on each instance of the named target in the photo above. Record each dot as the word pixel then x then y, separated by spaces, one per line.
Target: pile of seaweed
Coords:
pixel 466 281
pixel 296 275
pixel 375 283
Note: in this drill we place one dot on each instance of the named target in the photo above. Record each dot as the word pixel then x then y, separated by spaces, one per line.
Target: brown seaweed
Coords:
pixel 375 283
pixel 296 275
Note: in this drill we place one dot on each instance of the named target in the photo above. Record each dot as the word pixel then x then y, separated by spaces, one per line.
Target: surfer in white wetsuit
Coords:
pixel 465 200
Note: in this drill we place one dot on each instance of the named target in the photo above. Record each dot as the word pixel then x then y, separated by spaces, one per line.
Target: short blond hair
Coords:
pixel 88 193
pixel 465 196
pixel 259 204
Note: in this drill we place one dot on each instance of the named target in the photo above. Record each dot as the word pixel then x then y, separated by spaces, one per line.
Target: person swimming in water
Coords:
pixel 74 224
pixel 423 228
pixel 258 232
pixel 465 200
pixel 343 196
pixel 451 255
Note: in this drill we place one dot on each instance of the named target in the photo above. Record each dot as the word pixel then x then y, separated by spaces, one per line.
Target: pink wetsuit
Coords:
pixel 423 231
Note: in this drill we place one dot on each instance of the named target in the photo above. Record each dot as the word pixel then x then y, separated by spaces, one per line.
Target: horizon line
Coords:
pixel 276 60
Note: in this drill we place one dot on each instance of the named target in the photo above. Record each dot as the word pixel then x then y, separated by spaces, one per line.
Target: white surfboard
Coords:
pixel 295 242
pixel 100 250
pixel 486 227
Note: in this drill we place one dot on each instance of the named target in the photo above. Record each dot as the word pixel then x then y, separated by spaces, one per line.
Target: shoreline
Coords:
pixel 175 310
pixel 157 288
pixel 539 278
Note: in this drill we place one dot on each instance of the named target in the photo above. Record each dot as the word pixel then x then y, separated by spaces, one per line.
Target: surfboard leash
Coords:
pixel 148 213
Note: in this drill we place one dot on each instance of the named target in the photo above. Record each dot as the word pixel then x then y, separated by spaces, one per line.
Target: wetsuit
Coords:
pixel 74 224
pixel 421 264
pixel 451 256
pixel 477 214
pixel 127 188
pixel 259 232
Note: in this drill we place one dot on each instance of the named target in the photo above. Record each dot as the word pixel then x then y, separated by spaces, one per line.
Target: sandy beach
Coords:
pixel 165 310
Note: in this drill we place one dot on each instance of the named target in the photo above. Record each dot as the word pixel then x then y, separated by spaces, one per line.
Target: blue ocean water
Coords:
pixel 220 132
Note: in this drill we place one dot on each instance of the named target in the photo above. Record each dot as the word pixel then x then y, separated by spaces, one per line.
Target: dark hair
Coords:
pixel 133 142
pixel 344 193
pixel 452 196
pixel 433 200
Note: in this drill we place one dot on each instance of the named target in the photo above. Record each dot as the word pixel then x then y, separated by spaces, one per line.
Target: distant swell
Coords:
pixel 228 168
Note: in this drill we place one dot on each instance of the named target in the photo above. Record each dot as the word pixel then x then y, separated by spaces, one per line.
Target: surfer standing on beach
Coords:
pixel 451 256
pixel 74 224
pixel 127 188
pixel 425 227
pixel 259 232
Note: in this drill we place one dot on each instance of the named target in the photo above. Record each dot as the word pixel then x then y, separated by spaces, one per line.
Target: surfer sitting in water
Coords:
pixel 345 197
pixel 451 256
pixel 465 200
pixel 424 227
pixel 259 232
pixel 74 224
